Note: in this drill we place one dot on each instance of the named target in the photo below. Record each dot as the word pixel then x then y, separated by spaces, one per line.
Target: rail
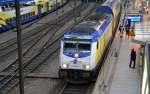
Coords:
pixel 145 88
pixel 9 81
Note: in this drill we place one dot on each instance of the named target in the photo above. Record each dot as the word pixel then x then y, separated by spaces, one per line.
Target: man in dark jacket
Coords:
pixel 132 58
pixel 121 30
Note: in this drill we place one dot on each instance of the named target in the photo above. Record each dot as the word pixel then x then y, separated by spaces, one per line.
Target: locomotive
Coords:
pixel 84 45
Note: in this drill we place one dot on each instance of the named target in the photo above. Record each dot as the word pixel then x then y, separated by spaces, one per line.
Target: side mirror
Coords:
pixel 142 49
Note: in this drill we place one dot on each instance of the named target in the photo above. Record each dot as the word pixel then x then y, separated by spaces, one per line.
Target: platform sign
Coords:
pixel 135 18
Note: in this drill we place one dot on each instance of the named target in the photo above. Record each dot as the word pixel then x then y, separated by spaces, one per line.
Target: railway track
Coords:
pixel 27 56
pixel 69 88
pixel 35 34
pixel 77 88
pixel 7 82
pixel 10 80
pixel 30 33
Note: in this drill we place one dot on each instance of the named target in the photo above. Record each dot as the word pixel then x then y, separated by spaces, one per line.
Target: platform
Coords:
pixel 125 80
pixel 116 77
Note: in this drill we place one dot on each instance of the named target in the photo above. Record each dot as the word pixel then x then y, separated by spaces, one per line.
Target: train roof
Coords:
pixel 98 17
pixel 3 2
pixel 110 2
pixel 107 7
pixel 104 9
pixel 9 5
pixel 90 28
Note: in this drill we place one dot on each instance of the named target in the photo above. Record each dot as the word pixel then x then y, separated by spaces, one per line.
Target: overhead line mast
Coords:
pixel 19 39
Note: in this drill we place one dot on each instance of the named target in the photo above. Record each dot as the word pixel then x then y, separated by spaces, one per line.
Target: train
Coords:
pixel 30 10
pixel 84 46
pixel 93 1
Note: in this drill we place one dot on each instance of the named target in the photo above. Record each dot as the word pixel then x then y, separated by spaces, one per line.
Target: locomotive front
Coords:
pixel 75 60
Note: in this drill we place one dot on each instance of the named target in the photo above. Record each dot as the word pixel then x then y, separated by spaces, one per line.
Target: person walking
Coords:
pixel 127 32
pixel 132 58
pixel 127 27
pixel 121 29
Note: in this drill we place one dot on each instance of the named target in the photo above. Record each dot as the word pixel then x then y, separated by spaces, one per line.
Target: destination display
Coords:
pixel 135 18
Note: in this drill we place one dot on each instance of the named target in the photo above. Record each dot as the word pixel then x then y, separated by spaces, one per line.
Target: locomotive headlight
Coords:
pixel 64 65
pixel 76 55
pixel 87 67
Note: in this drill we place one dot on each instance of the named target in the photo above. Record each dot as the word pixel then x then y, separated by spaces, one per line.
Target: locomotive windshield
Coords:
pixel 77 46
pixel 84 47
pixel 69 46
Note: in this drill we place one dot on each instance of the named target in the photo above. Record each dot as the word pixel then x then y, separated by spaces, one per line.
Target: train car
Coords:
pixel 84 46
pixel 29 10
pixel 93 1
pixel 111 7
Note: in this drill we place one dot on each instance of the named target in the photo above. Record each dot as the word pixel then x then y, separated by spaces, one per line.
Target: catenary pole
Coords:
pixel 56 9
pixel 74 11
pixel 62 7
pixel 20 56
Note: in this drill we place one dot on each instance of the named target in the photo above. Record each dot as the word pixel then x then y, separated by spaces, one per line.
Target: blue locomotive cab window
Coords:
pixel 69 46
pixel 84 47
pixel 81 47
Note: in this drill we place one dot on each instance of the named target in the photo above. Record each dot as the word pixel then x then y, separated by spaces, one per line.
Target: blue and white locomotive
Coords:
pixel 83 47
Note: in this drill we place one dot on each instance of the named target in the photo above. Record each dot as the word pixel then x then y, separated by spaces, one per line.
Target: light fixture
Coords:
pixel 64 65
pixel 87 67
pixel 76 55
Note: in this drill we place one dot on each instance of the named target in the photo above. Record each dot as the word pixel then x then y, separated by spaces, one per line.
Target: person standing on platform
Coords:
pixel 132 58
